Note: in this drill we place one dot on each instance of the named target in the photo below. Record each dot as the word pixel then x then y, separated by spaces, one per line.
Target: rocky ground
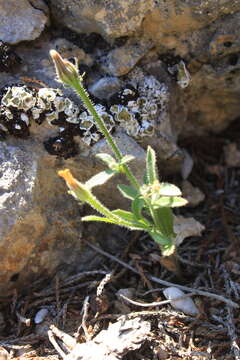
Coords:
pixel 83 304
pixel 164 74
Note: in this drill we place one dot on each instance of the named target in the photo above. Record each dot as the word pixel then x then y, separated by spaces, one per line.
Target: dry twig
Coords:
pixel 155 303
pixel 166 283
pixel 230 323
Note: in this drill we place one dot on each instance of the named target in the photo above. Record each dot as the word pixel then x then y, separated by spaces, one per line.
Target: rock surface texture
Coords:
pixel 112 19
pixel 40 223
pixel 204 34
pixel 19 21
pixel 34 239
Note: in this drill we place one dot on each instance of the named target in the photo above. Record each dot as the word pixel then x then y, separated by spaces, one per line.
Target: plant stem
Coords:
pixel 87 102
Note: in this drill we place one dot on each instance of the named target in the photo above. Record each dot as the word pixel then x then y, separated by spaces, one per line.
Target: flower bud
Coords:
pixel 67 73
pixel 78 190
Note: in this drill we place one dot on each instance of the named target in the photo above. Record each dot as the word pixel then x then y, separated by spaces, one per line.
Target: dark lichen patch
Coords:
pixel 134 108
pixel 129 93
pixel 62 146
pixel 8 58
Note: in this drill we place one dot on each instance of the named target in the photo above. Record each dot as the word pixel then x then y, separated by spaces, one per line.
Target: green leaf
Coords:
pixel 166 201
pixel 145 179
pixel 126 159
pixel 137 206
pixel 160 239
pixel 128 191
pixel 99 218
pixel 138 224
pixel 167 189
pixel 164 219
pixel 151 166
pixel 166 244
pixel 119 221
pixel 100 179
pixel 108 159
pixel 126 215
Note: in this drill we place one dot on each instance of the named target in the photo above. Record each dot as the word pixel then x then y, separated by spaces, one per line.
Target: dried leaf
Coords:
pixel 232 155
pixel 185 227
pixel 193 194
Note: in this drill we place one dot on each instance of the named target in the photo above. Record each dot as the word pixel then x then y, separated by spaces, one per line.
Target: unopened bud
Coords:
pixel 67 176
pixel 78 190
pixel 67 73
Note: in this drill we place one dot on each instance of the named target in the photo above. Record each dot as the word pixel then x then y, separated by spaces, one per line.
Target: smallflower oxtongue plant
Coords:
pixel 151 202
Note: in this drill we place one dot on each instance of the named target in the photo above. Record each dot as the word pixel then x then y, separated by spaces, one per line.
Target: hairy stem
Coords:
pixel 87 102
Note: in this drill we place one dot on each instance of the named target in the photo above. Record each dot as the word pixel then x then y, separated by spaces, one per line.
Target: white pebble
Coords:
pixel 185 305
pixel 40 316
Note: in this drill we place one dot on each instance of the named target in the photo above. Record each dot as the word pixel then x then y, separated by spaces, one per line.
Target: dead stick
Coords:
pixel 155 303
pixel 163 282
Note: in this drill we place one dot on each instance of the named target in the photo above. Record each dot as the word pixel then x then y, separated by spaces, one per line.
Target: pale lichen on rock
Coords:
pixel 136 108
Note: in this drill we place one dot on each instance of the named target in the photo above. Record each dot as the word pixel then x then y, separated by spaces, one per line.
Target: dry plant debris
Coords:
pixel 87 305
pixel 120 338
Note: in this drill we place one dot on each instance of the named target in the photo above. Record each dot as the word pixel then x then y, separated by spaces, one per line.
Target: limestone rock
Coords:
pixel 204 34
pixel 121 60
pixel 105 87
pixel 212 57
pixel 40 222
pixel 112 19
pixel 19 21
pixel 36 233
pixel 68 50
pixel 161 20
pixel 213 98
pixel 172 23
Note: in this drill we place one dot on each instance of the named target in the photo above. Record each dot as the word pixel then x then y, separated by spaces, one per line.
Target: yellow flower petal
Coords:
pixel 67 176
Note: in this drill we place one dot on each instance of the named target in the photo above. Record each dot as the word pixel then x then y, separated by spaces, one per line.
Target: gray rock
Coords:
pixel 205 35
pixel 37 63
pixel 171 24
pixel 36 215
pixel 111 19
pixel 19 21
pixel 213 97
pixel 162 21
pixel 68 50
pixel 121 60
pixel 105 87
pixel 39 221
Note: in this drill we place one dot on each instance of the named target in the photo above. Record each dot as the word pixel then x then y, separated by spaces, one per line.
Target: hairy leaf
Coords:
pixel 167 189
pixel 126 215
pixel 164 217
pixel 167 201
pixel 126 159
pixel 100 179
pixel 137 206
pixel 128 191
pixel 151 166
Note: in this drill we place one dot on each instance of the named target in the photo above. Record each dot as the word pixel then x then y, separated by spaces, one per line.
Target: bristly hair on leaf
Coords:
pixel 151 166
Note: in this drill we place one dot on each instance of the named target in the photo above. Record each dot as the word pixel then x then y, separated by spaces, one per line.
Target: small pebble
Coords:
pixel 185 305
pixel 40 316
